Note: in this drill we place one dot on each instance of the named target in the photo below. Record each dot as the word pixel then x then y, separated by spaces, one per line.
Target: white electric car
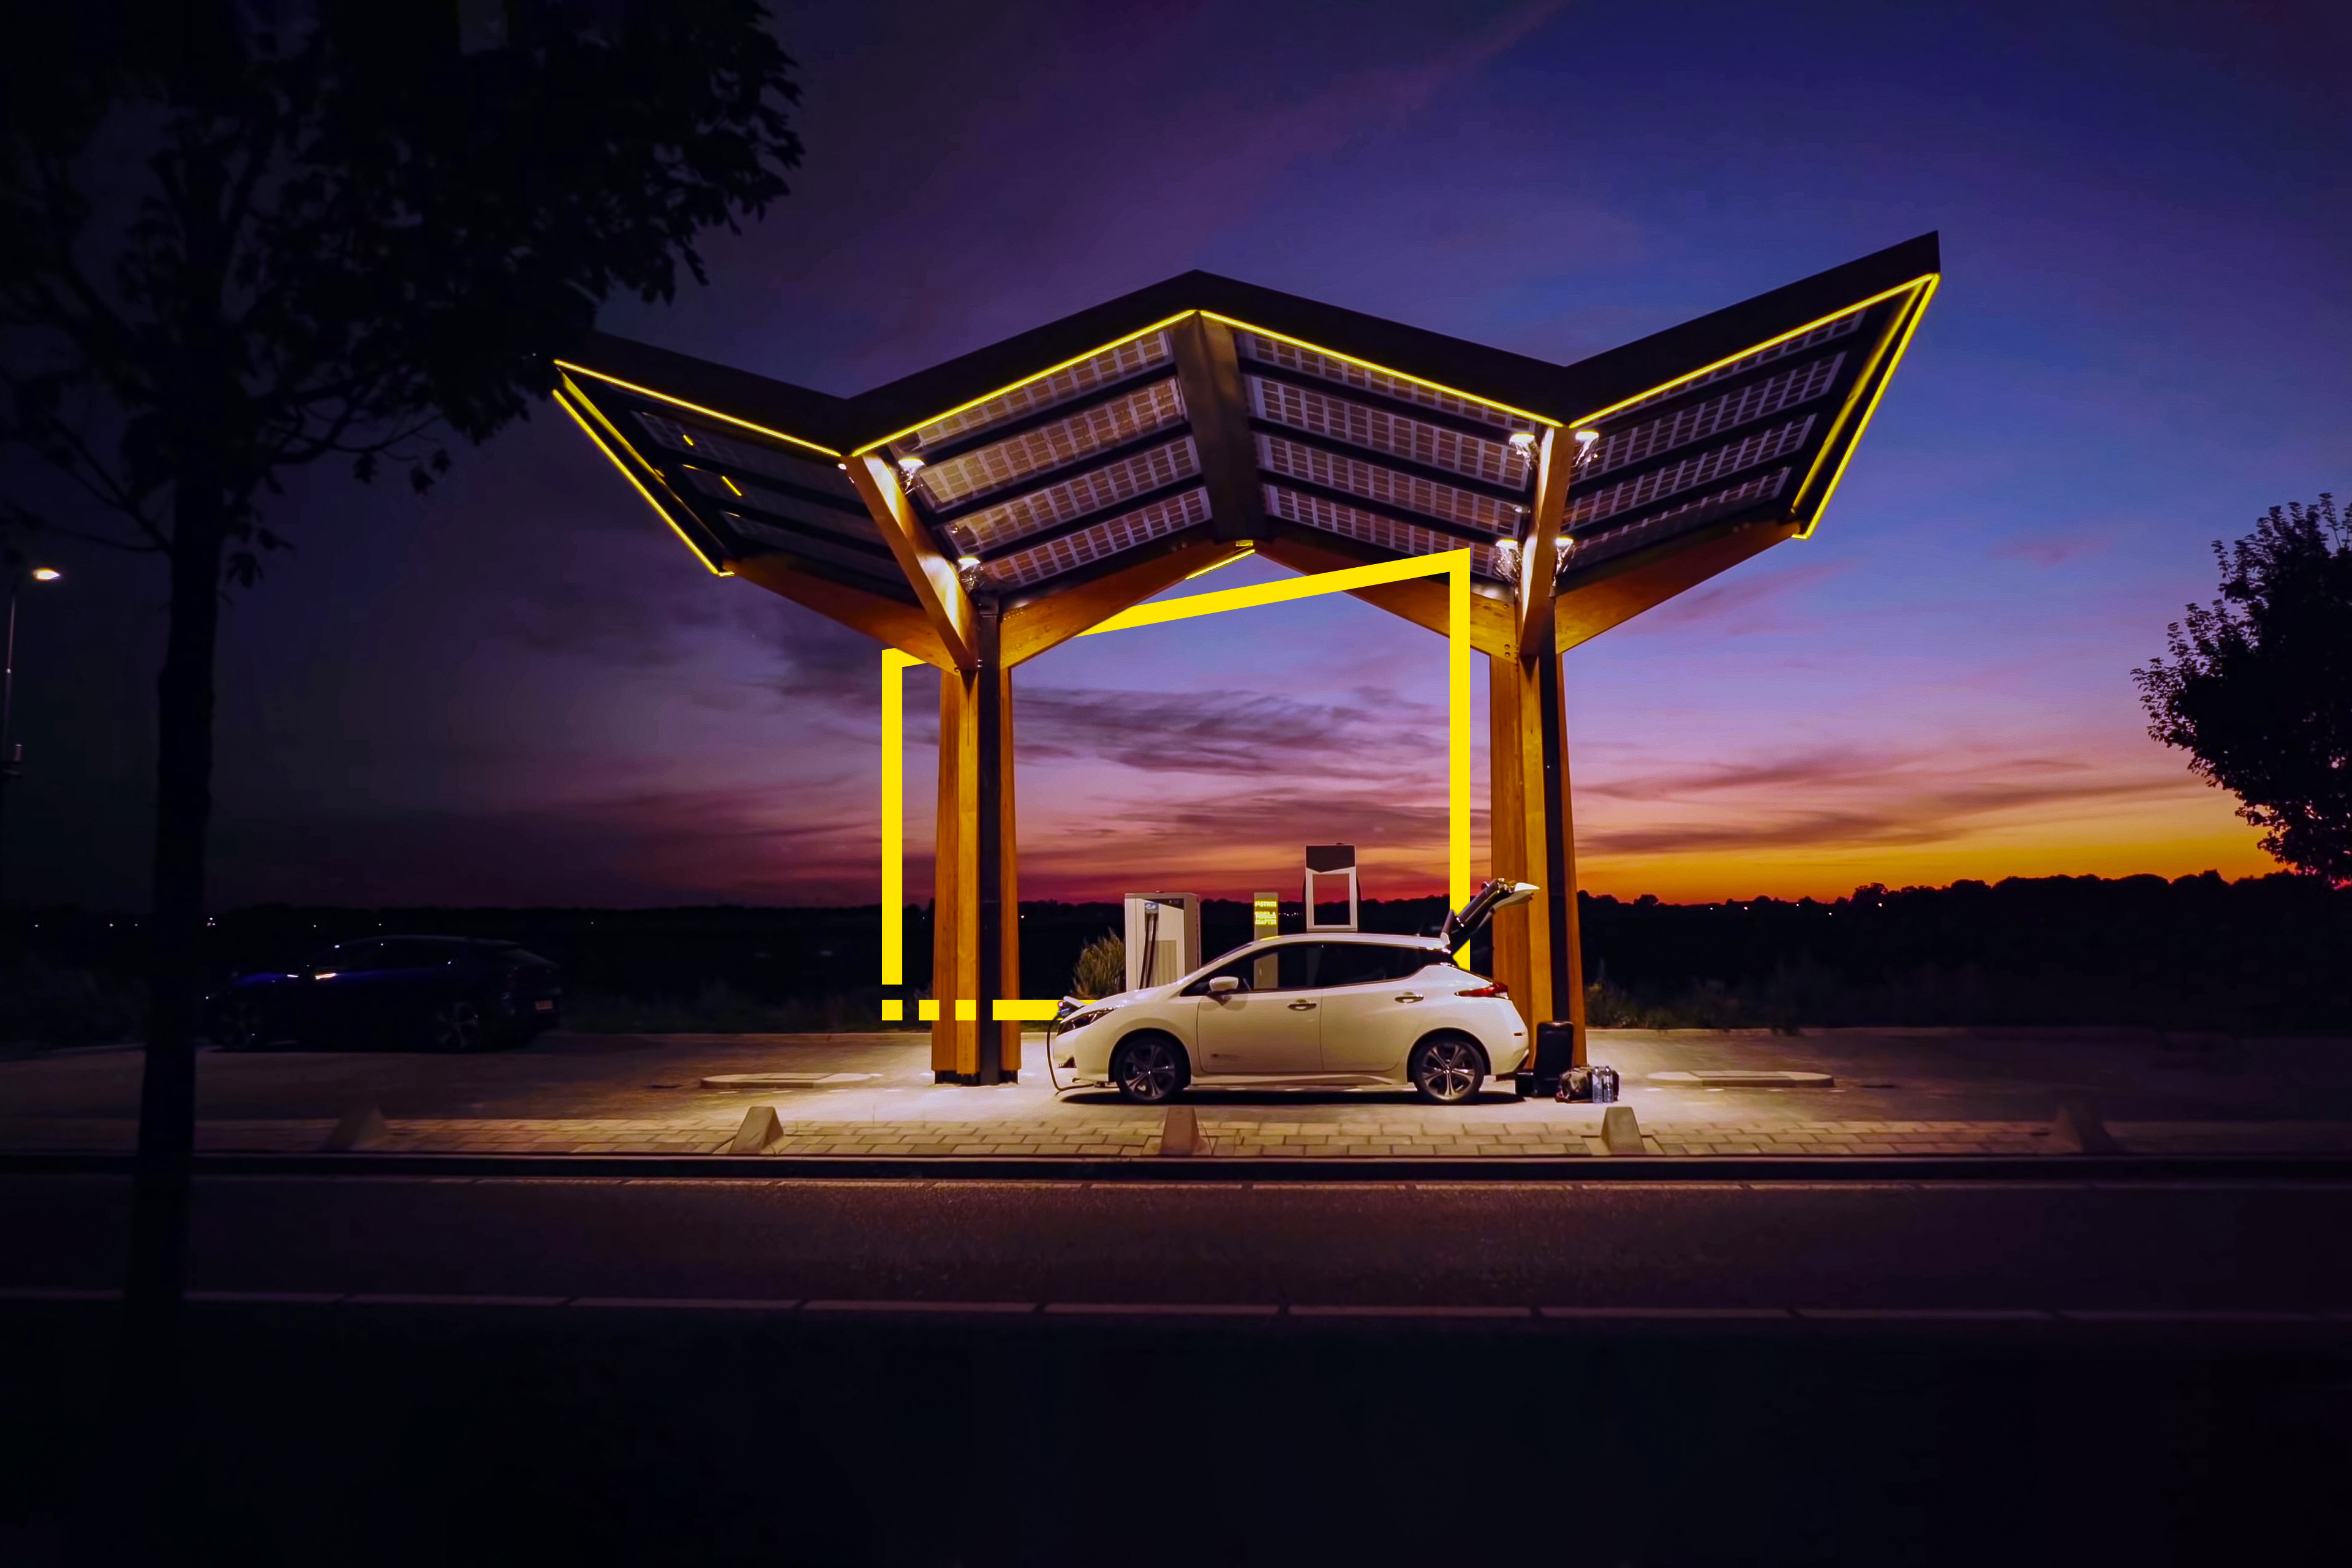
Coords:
pixel 1317 1010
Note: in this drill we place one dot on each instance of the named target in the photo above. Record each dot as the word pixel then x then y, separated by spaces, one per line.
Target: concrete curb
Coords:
pixel 1764 1170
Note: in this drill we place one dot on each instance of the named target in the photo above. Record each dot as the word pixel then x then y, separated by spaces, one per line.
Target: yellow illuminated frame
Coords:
pixel 1901 340
pixel 1162 325
pixel 1452 564
pixel 612 450
pixel 694 407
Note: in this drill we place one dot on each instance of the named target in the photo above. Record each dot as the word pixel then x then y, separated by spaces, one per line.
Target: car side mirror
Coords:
pixel 1223 985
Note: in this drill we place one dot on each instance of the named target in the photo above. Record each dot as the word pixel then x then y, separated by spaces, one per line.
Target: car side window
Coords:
pixel 1360 963
pixel 1289 968
pixel 1407 961
pixel 350 956
pixel 416 955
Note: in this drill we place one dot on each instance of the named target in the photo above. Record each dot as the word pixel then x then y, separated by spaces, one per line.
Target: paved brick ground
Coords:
pixel 1898 1092
pixel 1436 1134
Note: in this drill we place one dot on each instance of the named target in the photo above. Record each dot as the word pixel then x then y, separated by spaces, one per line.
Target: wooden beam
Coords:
pixel 1518 820
pixel 889 621
pixel 1548 696
pixel 1045 623
pixel 1616 595
pixel 931 575
pixel 1008 872
pixel 1421 601
pixel 1216 404
pixel 992 824
pixel 1556 457
pixel 955 942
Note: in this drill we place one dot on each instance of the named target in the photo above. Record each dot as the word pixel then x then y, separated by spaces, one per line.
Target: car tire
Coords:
pixel 240 1028
pixel 458 1027
pixel 1149 1068
pixel 1446 1069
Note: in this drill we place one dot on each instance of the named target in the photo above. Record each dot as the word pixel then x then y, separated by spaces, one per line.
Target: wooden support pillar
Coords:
pixel 1565 935
pixel 1517 820
pixel 955 943
pixel 976 930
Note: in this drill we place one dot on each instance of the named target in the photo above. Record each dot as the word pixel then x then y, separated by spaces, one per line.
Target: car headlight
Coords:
pixel 1080 1020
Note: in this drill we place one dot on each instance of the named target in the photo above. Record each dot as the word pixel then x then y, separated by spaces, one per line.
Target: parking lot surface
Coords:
pixel 1891 1092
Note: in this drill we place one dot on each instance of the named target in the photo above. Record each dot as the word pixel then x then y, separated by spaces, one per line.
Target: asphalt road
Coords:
pixel 1955 1249
pixel 715 1371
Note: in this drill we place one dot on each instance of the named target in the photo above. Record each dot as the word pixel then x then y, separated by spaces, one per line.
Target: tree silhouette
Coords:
pixel 238 238
pixel 2260 690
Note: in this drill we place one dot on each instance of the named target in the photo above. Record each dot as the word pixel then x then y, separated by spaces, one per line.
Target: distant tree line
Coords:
pixel 2264 953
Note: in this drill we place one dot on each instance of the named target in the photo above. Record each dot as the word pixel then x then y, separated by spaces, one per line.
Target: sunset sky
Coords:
pixel 525 691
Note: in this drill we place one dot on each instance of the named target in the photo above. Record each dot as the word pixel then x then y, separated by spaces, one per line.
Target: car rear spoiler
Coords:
pixel 1471 918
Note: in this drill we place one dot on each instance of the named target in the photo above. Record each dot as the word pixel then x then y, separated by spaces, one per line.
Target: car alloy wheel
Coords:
pixel 458 1026
pixel 1148 1069
pixel 1446 1070
pixel 240 1027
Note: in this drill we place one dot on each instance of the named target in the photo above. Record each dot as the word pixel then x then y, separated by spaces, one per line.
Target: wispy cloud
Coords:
pixel 1848 798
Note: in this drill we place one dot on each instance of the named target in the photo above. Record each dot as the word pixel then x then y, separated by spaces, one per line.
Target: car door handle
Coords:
pixel 1302 1006
pixel 1409 996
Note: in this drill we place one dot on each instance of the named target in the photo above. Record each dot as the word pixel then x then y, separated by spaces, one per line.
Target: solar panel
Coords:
pixel 1676 519
pixel 1372 528
pixel 1073 498
pixel 878 565
pixel 1697 421
pixel 1762 447
pixel 1827 332
pixel 1433 446
pixel 1316 467
pixel 1052 445
pixel 1401 389
pixel 1100 541
pixel 746 456
pixel 799 510
pixel 1112 365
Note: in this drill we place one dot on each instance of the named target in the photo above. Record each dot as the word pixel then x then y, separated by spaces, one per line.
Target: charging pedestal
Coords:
pixel 1163 936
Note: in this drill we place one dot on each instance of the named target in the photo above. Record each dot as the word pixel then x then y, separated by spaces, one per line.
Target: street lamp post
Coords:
pixel 12 754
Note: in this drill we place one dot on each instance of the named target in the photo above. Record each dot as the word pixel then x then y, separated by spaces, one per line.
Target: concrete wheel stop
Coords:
pixel 762 1127
pixel 363 1129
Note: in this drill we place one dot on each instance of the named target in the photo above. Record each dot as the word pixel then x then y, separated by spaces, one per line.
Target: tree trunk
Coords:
pixel 167 1098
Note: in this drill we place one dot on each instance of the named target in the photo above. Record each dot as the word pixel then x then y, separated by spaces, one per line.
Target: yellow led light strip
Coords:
pixel 1024 381
pixel 1384 370
pixel 1927 279
pixel 564 402
pixel 1229 321
pixel 1885 380
pixel 694 407
pixel 1452 564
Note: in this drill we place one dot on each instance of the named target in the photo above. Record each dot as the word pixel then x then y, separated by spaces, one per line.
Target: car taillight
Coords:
pixel 1496 989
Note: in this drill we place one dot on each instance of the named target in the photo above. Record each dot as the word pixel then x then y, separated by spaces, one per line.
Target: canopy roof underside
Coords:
pixel 1207 409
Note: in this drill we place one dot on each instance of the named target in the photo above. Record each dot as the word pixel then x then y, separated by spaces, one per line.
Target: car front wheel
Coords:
pixel 458 1027
pixel 1446 1069
pixel 241 1028
pixel 1147 1068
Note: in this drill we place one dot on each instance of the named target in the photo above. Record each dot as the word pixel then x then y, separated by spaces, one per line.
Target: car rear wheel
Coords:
pixel 1147 1068
pixel 458 1027
pixel 1446 1069
pixel 241 1028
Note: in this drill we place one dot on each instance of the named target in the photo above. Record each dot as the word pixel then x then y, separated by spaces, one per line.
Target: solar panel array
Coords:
pixel 1059 476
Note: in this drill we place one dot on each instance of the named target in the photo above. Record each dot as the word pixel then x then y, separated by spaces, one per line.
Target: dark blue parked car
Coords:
pixel 446 992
